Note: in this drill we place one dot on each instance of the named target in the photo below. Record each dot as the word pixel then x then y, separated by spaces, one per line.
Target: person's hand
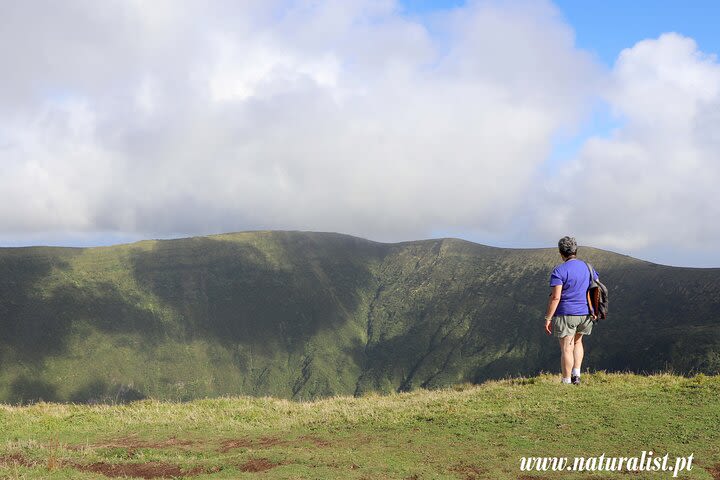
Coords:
pixel 548 326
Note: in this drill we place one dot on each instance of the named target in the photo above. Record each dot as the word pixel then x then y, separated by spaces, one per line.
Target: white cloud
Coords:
pixel 655 178
pixel 157 117
pixel 165 117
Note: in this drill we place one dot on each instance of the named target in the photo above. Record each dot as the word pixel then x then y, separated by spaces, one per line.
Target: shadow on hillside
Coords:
pixel 39 305
pixel 38 312
pixel 472 318
pixel 437 354
pixel 274 297
pixel 24 391
pixel 226 291
pixel 100 391
pixel 29 320
pixel 42 327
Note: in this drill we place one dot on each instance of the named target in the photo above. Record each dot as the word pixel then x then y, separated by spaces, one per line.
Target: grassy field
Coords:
pixel 465 432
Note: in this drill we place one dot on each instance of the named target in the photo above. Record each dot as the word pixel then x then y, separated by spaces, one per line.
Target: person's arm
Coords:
pixel 593 313
pixel 553 302
pixel 592 307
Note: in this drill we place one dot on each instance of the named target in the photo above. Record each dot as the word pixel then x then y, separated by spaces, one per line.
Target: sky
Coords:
pixel 508 123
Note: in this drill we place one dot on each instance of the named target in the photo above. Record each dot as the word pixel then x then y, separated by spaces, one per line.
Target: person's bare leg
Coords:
pixel 566 355
pixel 578 352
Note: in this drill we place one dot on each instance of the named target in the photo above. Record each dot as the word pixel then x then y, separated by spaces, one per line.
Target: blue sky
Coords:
pixel 607 27
pixel 179 119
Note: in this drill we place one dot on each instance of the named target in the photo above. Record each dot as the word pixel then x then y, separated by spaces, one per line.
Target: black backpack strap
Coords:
pixel 590 269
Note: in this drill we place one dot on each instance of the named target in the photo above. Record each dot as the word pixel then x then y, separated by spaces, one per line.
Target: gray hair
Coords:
pixel 567 246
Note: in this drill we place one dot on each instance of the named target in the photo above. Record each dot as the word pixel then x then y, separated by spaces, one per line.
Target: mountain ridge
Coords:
pixel 434 239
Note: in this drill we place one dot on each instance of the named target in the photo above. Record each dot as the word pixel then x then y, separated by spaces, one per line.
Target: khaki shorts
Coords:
pixel 564 325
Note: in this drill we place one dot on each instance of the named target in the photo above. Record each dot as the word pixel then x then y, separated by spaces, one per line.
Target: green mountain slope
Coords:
pixel 303 315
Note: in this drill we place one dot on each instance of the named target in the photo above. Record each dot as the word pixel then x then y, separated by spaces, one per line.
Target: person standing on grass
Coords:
pixel 568 315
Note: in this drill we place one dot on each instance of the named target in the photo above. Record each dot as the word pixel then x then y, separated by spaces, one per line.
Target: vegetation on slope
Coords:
pixel 305 315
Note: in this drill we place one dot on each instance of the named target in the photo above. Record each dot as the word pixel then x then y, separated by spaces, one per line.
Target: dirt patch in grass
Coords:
pixel 134 443
pixel 149 470
pixel 228 445
pixel 247 442
pixel 364 439
pixel 269 442
pixel 258 465
pixel 130 442
pixel 142 470
pixel 318 442
pixel 714 471
pixel 469 472
pixel 15 459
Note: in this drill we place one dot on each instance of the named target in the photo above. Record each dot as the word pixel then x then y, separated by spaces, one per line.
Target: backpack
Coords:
pixel 598 294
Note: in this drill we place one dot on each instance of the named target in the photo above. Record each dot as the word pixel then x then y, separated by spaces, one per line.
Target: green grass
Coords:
pixel 462 432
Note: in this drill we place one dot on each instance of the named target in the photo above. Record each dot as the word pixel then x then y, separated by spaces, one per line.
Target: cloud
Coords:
pixel 160 117
pixel 650 186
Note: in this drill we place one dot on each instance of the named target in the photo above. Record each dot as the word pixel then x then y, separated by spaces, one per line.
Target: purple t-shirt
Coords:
pixel 574 276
